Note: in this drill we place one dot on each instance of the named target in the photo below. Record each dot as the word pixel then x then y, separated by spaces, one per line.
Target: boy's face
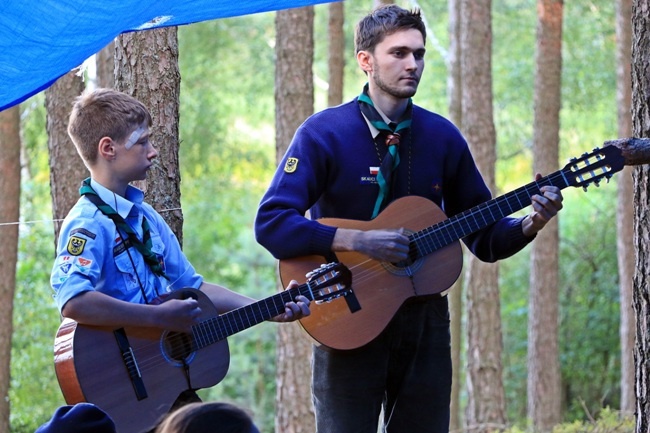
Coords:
pixel 133 157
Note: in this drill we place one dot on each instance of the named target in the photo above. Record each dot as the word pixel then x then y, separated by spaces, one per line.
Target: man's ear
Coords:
pixel 364 59
pixel 106 148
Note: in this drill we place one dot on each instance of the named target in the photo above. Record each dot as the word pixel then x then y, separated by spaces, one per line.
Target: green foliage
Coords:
pixel 34 392
pixel 608 421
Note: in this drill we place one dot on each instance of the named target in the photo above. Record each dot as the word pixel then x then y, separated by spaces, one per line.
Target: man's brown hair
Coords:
pixel 384 21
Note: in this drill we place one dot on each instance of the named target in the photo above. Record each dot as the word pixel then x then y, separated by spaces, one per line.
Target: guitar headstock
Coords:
pixel 329 281
pixel 593 167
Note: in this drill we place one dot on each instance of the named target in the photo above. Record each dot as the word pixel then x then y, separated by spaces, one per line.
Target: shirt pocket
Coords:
pixel 127 270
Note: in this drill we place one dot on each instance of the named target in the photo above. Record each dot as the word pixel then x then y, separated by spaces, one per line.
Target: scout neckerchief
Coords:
pixel 144 246
pixel 392 133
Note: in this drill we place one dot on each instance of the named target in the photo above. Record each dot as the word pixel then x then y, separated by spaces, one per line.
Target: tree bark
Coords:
pixel 336 61
pixel 625 204
pixel 67 169
pixel 294 102
pixel 9 215
pixel 454 90
pixel 105 63
pixel 147 69
pixel 641 124
pixel 486 396
pixel 544 389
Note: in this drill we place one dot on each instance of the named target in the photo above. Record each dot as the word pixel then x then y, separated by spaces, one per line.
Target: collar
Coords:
pixel 122 205
pixel 374 131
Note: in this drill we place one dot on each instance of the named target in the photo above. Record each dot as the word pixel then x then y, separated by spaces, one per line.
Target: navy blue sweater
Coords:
pixel 333 153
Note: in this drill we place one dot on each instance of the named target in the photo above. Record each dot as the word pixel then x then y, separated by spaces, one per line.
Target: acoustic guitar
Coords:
pixel 435 257
pixel 136 374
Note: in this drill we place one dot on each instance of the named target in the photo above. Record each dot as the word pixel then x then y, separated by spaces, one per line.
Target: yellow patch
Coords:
pixel 76 245
pixel 291 165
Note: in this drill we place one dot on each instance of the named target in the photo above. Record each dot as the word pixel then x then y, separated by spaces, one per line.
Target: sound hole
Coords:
pixel 178 347
pixel 406 267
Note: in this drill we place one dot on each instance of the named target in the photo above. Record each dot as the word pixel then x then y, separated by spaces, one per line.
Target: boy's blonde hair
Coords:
pixel 104 113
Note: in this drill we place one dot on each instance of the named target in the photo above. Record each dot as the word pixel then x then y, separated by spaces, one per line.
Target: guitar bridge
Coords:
pixel 130 363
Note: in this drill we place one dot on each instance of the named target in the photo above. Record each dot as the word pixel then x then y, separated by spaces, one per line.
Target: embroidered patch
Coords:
pixel 76 245
pixel 373 170
pixel 84 262
pixel 83 231
pixel 291 165
pixel 65 268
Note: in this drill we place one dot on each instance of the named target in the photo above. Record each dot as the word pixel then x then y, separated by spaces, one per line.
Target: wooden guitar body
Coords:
pixel 380 288
pixel 90 368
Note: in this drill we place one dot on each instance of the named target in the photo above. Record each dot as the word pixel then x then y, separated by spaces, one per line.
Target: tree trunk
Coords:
pixel 336 61
pixel 641 123
pixel 67 169
pixel 486 396
pixel 544 390
pixel 9 214
pixel 105 63
pixel 294 102
pixel 625 206
pixel 148 70
pixel 454 90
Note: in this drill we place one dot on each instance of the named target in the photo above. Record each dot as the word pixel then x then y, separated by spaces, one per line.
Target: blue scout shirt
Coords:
pixel 92 254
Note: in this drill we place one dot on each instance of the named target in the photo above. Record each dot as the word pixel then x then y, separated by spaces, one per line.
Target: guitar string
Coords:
pixel 210 332
pixel 149 354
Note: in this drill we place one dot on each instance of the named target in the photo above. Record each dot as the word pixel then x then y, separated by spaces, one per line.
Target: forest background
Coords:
pixel 227 157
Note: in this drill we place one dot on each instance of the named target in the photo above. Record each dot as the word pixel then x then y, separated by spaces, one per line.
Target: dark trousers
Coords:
pixel 406 371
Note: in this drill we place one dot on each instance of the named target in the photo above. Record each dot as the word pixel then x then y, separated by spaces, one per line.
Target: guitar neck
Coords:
pixel 472 220
pixel 224 325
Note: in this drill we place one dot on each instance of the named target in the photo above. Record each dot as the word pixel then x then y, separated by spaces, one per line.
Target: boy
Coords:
pixel 116 255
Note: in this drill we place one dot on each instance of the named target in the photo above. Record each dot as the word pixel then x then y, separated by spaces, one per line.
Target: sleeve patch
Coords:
pixel 291 165
pixel 76 245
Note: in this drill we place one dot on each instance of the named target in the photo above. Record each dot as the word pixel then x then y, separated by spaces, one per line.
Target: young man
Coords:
pixel 331 169
pixel 116 255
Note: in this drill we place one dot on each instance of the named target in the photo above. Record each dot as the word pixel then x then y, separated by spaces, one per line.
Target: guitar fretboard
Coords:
pixel 222 326
pixel 472 220
pixel 590 168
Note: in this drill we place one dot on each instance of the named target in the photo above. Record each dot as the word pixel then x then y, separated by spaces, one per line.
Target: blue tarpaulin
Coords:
pixel 41 40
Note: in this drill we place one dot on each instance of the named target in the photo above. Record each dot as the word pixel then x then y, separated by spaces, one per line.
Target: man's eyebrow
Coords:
pixel 407 48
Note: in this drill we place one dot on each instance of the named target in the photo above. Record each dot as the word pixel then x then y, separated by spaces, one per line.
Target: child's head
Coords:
pixel 207 418
pixel 104 113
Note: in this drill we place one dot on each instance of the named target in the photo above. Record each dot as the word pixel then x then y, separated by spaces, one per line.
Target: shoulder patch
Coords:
pixel 291 165
pixel 76 245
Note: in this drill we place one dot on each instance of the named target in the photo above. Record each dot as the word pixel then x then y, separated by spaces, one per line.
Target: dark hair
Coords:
pixel 207 417
pixel 383 21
